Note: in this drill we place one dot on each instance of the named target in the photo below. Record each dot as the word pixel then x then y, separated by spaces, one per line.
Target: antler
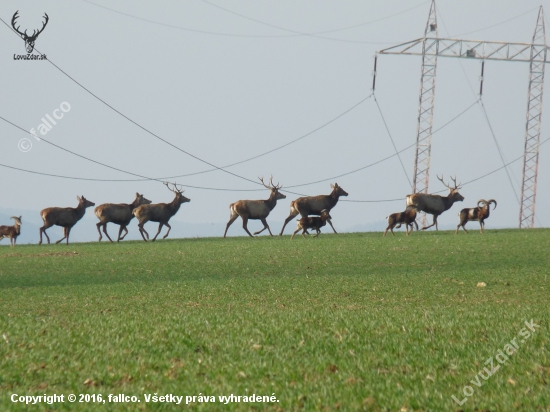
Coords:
pixel 457 186
pixel 175 190
pixel 449 187
pixel 271 185
pixel 15 17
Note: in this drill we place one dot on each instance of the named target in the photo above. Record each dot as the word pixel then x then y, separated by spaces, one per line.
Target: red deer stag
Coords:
pixel 314 205
pixel 435 204
pixel 255 209
pixel 11 232
pixel 66 217
pixel 479 213
pixel 120 214
pixel 159 212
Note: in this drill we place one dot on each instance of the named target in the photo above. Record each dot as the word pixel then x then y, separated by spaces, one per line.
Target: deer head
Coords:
pixel 83 202
pixel 29 40
pixel 273 188
pixel 141 200
pixel 453 191
pixel 17 220
pixel 337 190
pixel 180 198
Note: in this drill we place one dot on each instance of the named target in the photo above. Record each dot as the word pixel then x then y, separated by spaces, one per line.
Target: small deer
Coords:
pixel 120 214
pixel 314 222
pixel 11 232
pixel 313 205
pixel 479 213
pixel 255 209
pixel 29 40
pixel 159 212
pixel 66 217
pixel 408 217
pixel 435 204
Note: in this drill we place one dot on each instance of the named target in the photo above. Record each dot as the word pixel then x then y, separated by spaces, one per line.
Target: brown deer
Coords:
pixel 29 40
pixel 120 214
pixel 159 212
pixel 407 217
pixel 313 205
pixel 255 209
pixel 314 222
pixel 66 217
pixel 11 232
pixel 479 213
pixel 435 204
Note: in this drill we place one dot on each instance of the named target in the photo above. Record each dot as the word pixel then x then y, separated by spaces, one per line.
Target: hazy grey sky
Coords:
pixel 226 88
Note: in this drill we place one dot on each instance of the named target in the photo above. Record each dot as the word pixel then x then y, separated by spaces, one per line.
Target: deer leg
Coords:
pixel 245 225
pixel 416 224
pixel 125 232
pixel 266 226
pixel 434 223
pixel 482 226
pixel 64 235
pixel 304 231
pixel 232 218
pixel 105 231
pixel 330 223
pixel 120 229
pixel 169 228
pixel 296 231
pixel 142 231
pixel 158 231
pixel 43 230
pixel 68 233
pixel 293 214
pixel 98 225
pixel 318 232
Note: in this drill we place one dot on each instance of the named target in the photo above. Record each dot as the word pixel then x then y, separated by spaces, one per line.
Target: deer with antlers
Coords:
pixel 66 217
pixel 120 214
pixel 29 40
pixel 314 205
pixel 255 209
pixel 435 204
pixel 159 212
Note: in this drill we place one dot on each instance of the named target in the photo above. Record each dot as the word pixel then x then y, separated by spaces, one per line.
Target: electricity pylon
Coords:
pixel 430 47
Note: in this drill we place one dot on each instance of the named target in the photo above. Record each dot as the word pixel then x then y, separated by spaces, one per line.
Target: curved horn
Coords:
pixel 492 201
pixel 481 201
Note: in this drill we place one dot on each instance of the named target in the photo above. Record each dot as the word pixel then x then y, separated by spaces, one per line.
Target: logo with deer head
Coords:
pixel 29 40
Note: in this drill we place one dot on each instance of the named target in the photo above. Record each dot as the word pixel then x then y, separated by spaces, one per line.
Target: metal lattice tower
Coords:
pixel 421 174
pixel 429 47
pixel 532 129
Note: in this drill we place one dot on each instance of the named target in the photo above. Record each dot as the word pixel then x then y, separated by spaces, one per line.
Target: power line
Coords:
pixel 233 190
pixel 201 187
pixel 294 34
pixel 496 24
pixel 297 33
pixel 393 143
pixel 499 150
pixel 387 157
pixel 137 124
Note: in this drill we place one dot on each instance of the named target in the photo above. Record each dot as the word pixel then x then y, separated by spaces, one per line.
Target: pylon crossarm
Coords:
pixel 471 49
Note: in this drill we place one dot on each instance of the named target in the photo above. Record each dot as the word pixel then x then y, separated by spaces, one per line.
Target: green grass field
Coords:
pixel 345 322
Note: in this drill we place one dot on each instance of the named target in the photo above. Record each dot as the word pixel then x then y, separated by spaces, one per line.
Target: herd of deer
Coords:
pixel 318 206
